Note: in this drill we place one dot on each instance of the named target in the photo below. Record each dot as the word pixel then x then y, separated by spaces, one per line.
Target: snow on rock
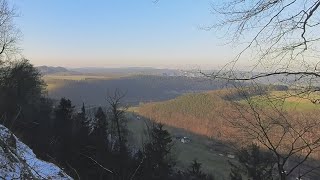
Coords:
pixel 17 161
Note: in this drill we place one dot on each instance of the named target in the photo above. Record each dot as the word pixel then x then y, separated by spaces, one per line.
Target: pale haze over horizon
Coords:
pixel 120 33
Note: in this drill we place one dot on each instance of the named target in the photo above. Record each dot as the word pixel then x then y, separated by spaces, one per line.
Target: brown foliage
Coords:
pixel 221 120
pixel 204 116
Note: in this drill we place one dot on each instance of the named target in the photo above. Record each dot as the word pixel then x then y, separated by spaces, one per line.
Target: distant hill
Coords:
pixel 48 70
pixel 128 70
pixel 52 70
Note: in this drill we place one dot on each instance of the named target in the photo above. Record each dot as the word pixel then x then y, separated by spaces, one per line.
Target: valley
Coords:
pixel 144 90
pixel 189 107
pixel 139 88
pixel 160 90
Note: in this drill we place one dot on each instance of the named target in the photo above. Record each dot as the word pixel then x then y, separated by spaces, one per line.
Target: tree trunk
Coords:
pixel 281 171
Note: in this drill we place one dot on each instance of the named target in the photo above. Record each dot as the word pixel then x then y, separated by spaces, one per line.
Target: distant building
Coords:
pixel 185 140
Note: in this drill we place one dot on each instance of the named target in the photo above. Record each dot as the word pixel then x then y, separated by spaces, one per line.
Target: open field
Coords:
pixel 81 77
pixel 286 100
pixel 56 81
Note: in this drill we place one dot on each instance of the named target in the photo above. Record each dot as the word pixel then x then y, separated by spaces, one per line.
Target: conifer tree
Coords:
pixel 158 162
pixel 194 171
pixel 63 125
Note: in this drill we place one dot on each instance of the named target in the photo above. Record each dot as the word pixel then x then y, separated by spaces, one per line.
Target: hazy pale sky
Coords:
pixel 113 33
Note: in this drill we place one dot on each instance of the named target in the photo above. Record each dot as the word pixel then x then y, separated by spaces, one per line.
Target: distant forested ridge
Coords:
pixel 51 70
pixel 139 88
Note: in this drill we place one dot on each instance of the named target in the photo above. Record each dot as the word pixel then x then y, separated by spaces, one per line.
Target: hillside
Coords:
pixel 45 70
pixel 200 113
pixel 210 113
pixel 17 161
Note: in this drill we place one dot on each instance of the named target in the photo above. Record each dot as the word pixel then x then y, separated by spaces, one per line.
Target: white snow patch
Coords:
pixel 17 161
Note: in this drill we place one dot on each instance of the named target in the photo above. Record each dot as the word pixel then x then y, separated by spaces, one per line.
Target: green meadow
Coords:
pixel 286 100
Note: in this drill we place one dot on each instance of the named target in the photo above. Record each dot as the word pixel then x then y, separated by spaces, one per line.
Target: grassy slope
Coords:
pixel 301 103
pixel 206 113
pixel 198 113
pixel 199 148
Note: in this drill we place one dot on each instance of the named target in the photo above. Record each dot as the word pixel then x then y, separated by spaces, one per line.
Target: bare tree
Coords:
pixel 9 33
pixel 280 37
pixel 117 114
pixel 292 138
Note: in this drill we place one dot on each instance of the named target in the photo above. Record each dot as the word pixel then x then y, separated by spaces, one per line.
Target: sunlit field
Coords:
pixel 286 101
pixel 56 81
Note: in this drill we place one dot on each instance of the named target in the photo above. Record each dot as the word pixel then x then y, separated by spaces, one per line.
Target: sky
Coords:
pixel 120 33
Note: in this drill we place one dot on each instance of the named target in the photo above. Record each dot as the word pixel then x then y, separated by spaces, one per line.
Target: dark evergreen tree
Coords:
pixel 158 162
pixel 101 122
pixel 80 165
pixel 235 172
pixel 194 171
pixel 82 116
pixel 80 127
pixel 63 131
pixel 254 163
pixel 99 145
pixel 100 133
pixel 42 130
